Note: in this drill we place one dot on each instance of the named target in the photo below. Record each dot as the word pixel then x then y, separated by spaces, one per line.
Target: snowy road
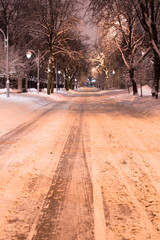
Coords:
pixel 81 166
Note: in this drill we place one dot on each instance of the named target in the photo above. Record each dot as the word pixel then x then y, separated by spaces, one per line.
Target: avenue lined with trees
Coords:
pixel 126 51
pixel 80 163
pixel 50 27
pixel 132 27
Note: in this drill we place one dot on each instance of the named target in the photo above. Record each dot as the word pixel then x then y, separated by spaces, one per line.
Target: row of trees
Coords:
pixel 50 26
pixel 132 27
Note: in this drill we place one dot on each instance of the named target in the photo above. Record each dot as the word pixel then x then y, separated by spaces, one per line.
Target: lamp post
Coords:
pixel 59 72
pixel 56 70
pixel 7 71
pixel 63 74
pixel 75 81
pixel 113 72
pixel 29 54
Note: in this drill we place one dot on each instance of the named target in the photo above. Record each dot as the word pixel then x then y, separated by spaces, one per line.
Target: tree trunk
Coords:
pixel 156 58
pixel 155 89
pixel 66 80
pixel 51 72
pixel 49 79
pixel 67 83
pixel 107 83
pixel 70 83
pixel 52 79
pixel 19 84
pixel 134 84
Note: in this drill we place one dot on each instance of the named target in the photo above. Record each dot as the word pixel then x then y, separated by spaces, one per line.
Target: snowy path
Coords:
pixel 129 169
pixel 68 209
pixel 79 167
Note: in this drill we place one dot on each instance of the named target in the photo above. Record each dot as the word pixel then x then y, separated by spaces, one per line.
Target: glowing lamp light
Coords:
pixel 28 54
pixel 93 70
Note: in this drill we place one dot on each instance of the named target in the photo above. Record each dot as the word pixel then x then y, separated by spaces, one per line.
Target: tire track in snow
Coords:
pixel 99 215
pixel 68 209
pixel 114 164
pixel 125 175
pixel 142 175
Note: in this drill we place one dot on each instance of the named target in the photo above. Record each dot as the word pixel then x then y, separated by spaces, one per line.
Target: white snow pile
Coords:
pixel 146 102
pixel 4 90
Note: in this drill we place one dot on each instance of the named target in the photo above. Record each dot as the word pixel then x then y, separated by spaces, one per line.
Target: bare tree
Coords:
pixel 99 67
pixel 75 65
pixel 148 12
pixel 12 13
pixel 54 23
pixel 119 20
pixel 17 66
pixel 47 25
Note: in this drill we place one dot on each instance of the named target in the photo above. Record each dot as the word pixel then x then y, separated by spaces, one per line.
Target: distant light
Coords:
pixel 93 69
pixel 28 54
pixel 113 72
pixel 75 80
pixel 59 72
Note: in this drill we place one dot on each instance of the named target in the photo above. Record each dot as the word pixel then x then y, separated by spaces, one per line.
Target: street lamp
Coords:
pixel 7 72
pixel 60 72
pixel 113 78
pixel 76 82
pixel 93 70
pixel 28 55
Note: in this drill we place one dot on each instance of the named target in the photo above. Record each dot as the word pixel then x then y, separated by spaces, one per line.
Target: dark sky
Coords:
pixel 87 28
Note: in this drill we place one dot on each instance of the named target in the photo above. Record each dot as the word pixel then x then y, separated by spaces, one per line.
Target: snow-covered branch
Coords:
pixel 155 47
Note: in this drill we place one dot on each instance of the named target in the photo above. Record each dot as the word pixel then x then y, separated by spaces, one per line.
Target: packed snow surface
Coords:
pixel 104 144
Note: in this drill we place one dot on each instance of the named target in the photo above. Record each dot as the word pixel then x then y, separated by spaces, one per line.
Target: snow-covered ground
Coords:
pixel 146 102
pixel 115 133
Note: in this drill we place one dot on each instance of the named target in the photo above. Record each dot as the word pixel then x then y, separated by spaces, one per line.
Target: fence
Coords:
pixel 13 82
pixel 26 84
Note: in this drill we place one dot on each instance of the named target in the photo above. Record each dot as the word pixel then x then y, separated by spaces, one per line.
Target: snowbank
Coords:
pixel 145 103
